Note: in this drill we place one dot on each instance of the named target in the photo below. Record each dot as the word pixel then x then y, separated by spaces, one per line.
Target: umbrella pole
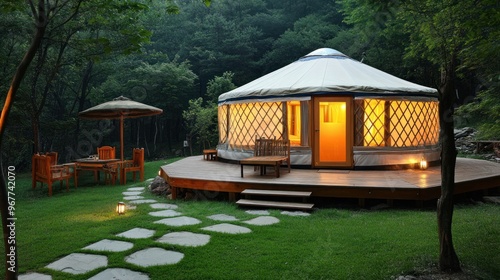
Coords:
pixel 121 136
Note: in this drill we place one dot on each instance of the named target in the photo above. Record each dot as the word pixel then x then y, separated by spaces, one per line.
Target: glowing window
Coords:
pixel 294 124
pixel 374 123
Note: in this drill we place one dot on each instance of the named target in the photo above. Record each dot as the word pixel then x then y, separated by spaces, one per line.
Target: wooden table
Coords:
pixel 95 165
pixel 262 162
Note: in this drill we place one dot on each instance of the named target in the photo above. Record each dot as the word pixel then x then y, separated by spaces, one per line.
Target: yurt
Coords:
pixel 337 112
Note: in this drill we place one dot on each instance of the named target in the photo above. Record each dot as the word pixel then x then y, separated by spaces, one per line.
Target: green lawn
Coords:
pixel 329 244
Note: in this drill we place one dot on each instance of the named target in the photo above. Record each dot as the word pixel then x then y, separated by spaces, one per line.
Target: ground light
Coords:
pixel 120 208
pixel 423 164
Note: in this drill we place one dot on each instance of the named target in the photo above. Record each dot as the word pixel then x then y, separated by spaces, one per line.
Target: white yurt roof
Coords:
pixel 325 71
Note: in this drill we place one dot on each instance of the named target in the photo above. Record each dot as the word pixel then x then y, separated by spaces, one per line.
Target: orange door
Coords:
pixel 333 132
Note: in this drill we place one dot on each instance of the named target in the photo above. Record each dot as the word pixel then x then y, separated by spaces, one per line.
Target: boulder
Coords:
pixel 463 132
pixel 159 186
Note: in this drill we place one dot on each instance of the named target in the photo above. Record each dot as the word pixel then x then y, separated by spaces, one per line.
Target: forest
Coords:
pixel 180 55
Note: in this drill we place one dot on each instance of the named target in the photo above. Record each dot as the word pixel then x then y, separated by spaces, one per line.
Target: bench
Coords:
pixel 210 154
pixel 269 152
pixel 482 144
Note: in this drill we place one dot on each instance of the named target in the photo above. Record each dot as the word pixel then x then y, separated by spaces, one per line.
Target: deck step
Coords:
pixel 276 193
pixel 275 204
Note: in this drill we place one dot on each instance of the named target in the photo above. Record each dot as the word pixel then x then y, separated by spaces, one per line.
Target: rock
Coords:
pixel 463 132
pixel 492 199
pixel 380 206
pixel 406 277
pixel 159 186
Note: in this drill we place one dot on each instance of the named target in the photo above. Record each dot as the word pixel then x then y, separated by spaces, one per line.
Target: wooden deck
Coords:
pixel 196 173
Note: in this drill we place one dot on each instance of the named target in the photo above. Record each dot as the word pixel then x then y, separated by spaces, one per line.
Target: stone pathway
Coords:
pixel 90 260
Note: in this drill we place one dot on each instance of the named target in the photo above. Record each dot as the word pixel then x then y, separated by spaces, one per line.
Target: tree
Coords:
pixel 447 33
pixel 201 120
pixel 40 16
pixel 42 12
pixel 308 33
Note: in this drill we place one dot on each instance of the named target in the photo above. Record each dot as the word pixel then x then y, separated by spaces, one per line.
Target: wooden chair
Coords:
pixel 106 152
pixel 111 172
pixel 44 172
pixel 134 165
pixel 53 157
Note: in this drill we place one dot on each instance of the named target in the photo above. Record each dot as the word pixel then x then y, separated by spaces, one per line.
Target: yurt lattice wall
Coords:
pixel 223 120
pixel 247 121
pixel 396 123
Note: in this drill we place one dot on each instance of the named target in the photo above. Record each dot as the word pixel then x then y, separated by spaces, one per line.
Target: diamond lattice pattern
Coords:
pixel 222 118
pixel 250 120
pixel 414 123
pixel 397 123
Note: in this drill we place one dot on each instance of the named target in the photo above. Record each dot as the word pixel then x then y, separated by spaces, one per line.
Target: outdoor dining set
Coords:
pixel 45 167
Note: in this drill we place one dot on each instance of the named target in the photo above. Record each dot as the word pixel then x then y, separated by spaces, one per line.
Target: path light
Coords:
pixel 423 164
pixel 120 208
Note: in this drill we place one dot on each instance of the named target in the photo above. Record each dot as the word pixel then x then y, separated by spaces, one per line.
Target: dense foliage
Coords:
pixel 96 50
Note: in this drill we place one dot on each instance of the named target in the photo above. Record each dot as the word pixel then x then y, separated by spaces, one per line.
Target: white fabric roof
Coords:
pixel 325 71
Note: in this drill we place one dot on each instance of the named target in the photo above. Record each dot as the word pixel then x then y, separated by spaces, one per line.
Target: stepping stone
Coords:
pixel 34 276
pixel 165 213
pixel 77 263
pixel 137 233
pixel 492 199
pixel 258 212
pixel 295 213
pixel 154 256
pixel 133 197
pixel 185 238
pixel 164 206
pixel 228 228
pixel 135 189
pixel 263 221
pixel 131 193
pixel 110 246
pixel 222 217
pixel 130 207
pixel 179 221
pixel 142 201
pixel 121 274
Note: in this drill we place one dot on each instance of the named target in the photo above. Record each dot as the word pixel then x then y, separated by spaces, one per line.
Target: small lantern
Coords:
pixel 120 208
pixel 423 164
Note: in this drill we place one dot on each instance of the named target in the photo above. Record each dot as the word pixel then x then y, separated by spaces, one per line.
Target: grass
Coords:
pixel 329 244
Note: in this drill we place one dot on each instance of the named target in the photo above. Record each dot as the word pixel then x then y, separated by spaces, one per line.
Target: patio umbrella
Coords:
pixel 119 108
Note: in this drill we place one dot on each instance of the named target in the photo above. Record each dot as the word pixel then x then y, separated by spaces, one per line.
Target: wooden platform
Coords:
pixel 196 173
pixel 275 204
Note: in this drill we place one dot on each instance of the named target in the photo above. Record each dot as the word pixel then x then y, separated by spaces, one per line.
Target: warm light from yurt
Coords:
pixel 250 120
pixel 294 122
pixel 397 123
pixel 337 113
pixel 332 126
pixel 374 123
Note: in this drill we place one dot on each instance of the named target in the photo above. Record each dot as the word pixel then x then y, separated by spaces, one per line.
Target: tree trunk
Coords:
pixel 36 134
pixel 448 259
pixel 82 96
pixel 10 247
